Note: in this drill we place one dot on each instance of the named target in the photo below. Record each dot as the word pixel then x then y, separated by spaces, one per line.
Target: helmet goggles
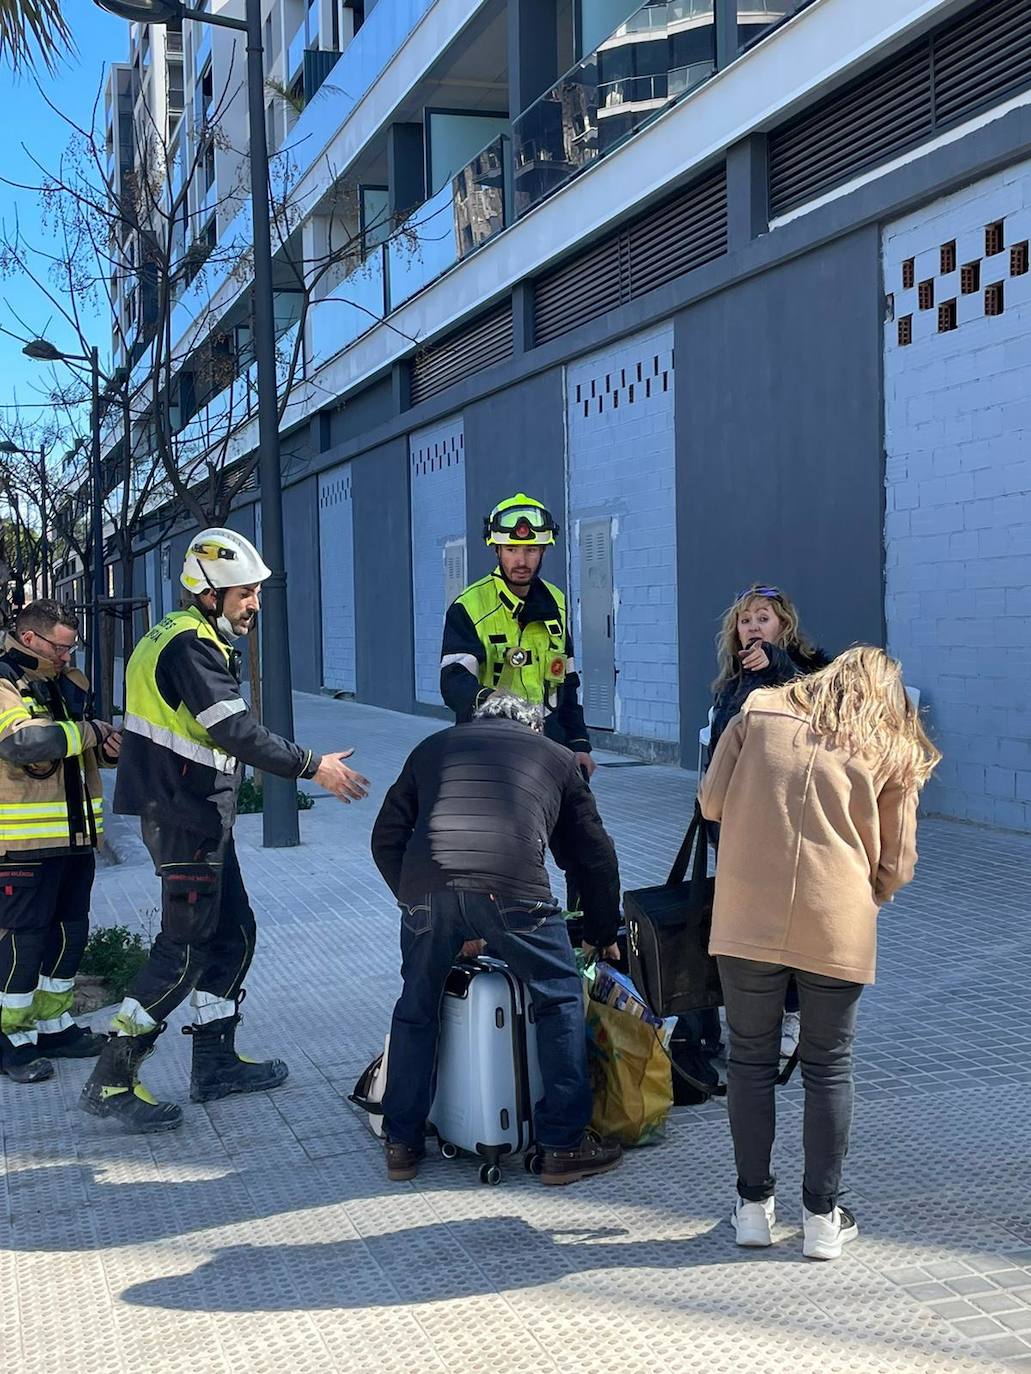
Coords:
pixel 522 524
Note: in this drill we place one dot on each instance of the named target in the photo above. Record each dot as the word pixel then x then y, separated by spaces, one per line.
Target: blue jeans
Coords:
pixel 531 939
pixel 754 997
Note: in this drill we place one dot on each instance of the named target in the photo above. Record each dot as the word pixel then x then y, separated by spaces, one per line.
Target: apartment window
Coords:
pixel 209 166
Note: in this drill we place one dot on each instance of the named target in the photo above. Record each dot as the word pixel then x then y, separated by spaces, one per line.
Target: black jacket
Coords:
pixel 462 691
pixel 785 665
pixel 477 805
pixel 157 783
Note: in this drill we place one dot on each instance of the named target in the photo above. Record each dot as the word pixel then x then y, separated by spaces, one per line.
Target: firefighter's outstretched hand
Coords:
pixel 343 782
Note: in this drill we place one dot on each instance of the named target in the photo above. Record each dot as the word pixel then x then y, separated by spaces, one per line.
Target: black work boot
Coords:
pixel 114 1089
pixel 217 1070
pixel 24 1063
pixel 593 1155
pixel 74 1042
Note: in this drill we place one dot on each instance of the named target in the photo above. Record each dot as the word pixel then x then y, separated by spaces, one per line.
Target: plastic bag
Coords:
pixel 631 1077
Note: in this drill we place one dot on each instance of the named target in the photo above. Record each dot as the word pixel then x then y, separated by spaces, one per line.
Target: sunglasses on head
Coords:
pixel 759 591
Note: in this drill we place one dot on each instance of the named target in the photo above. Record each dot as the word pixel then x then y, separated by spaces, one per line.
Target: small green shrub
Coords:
pixel 114 954
pixel 249 801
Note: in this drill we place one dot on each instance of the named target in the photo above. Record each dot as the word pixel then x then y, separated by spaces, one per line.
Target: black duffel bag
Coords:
pixel 668 933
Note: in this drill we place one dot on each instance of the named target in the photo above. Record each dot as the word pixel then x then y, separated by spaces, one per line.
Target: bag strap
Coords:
pixel 709 1089
pixel 788 1069
pixel 697 831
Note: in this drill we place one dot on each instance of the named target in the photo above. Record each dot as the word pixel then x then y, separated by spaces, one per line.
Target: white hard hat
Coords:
pixel 221 558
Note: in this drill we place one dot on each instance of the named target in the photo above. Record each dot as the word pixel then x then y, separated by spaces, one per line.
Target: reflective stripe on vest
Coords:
pixel 494 612
pixel 42 820
pixel 147 713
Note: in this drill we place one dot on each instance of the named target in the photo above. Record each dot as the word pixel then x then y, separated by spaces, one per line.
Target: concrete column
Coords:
pixel 748 205
pixel 725 13
pixel 406 168
pixel 532 52
pixel 522 317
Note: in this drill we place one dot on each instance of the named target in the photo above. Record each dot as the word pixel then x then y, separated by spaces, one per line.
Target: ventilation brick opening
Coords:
pixel 925 294
pixel 993 239
pixel 993 299
pixel 1019 259
pixel 905 330
pixel 946 316
pixel 909 274
pixel 948 257
pixel 970 278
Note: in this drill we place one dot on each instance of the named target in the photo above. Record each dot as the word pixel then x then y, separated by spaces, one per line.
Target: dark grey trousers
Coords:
pixel 754 997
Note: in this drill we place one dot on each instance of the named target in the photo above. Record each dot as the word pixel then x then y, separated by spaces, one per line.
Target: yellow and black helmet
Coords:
pixel 520 520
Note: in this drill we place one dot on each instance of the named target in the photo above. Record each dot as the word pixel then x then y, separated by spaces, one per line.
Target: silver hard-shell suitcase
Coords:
pixel 488 1076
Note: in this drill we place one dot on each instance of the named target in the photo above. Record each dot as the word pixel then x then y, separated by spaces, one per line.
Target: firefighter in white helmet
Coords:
pixel 188 731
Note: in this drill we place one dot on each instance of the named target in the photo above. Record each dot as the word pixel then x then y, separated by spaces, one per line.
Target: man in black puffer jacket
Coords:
pixel 461 841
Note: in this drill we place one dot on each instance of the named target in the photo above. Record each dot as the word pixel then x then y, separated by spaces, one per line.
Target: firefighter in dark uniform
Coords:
pixel 510 631
pixel 51 819
pixel 187 733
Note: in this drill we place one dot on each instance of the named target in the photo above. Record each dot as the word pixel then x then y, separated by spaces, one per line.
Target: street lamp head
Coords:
pixel 43 351
pixel 143 11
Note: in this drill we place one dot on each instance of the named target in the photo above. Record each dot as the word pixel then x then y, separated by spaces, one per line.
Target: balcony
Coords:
pixel 655 57
pixel 352 308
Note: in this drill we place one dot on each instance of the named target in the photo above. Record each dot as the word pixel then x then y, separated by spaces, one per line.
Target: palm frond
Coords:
pixel 32 33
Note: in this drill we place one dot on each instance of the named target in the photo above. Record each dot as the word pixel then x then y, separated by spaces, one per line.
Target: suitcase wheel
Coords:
pixel 532 1162
pixel 490 1173
pixel 448 1150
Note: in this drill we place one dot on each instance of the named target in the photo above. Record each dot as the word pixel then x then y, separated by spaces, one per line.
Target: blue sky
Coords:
pixel 30 127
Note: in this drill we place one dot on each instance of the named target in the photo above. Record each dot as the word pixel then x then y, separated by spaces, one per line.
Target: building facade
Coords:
pixel 738 289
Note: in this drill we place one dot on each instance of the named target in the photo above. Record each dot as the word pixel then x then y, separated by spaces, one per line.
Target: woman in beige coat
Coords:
pixel 815 785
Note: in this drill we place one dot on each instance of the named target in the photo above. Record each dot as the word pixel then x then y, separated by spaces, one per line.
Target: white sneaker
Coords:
pixel 824 1234
pixel 752 1222
pixel 790 1029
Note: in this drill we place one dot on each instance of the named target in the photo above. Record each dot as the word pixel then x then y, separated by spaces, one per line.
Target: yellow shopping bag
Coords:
pixel 631 1078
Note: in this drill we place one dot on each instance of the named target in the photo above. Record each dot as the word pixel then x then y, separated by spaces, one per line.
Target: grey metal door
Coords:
pixel 597 630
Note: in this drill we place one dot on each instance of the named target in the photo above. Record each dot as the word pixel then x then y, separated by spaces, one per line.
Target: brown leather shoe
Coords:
pixel 402 1161
pixel 594 1155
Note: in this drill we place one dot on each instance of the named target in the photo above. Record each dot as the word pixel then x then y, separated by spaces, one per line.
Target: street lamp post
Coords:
pixel 44 351
pixel 279 813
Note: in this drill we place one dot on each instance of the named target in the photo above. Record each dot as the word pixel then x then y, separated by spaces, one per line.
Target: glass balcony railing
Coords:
pixel 482 197
pixel 295 55
pixel 423 248
pixel 468 211
pixel 755 18
pixel 352 308
pixel 657 55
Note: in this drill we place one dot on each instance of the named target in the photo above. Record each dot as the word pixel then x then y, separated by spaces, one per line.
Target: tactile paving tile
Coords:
pixel 264 1234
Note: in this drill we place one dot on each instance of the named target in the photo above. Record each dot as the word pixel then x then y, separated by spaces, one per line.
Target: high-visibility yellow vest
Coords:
pixel 529 661
pixel 147 713
pixel 46 806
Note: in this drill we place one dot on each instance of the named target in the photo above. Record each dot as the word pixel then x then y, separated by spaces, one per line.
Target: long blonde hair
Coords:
pixel 861 703
pixel 728 642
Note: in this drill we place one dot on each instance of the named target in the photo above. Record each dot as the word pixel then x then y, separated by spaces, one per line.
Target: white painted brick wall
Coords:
pixel 622 464
pixel 958 516
pixel 437 467
pixel 336 560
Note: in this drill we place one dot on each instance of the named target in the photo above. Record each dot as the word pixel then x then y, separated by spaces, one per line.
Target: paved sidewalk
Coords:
pixel 263 1235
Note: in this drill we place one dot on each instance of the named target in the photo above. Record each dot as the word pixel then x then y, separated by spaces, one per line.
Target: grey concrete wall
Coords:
pixel 515 441
pixel 383 577
pixel 300 528
pixel 779 454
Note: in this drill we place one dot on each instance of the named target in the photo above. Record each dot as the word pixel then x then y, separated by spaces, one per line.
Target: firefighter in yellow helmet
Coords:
pixel 510 631
pixel 188 731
